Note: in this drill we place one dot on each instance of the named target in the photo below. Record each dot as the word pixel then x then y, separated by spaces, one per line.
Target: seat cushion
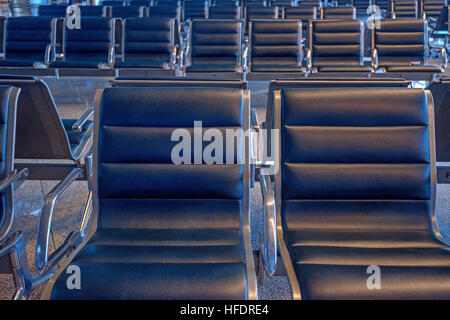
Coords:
pixel 142 64
pixel 77 138
pixel 345 69
pixel 415 68
pixel 212 68
pixel 159 264
pixel 76 64
pixel 17 63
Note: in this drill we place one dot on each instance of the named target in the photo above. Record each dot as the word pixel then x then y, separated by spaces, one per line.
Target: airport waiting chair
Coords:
pixel 225 12
pixel 90 48
pixel 95 11
pixel 52 11
pixel 336 47
pixel 361 5
pixel 150 46
pixel 128 12
pixel 311 3
pixel 275 49
pixel 13 255
pixel 332 236
pixel 385 7
pixel 283 3
pixel 254 3
pixel 114 3
pixel 440 90
pixel 168 12
pixel 254 13
pixel 399 47
pixel 431 8
pixel 175 82
pixel 304 14
pixel 338 13
pixel 28 42
pixel 214 49
pixel 183 238
pixel 41 138
pixel 195 9
pixel 140 3
pixel 404 9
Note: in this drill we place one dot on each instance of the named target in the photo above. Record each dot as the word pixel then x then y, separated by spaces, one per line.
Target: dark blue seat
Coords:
pixel 225 12
pixel 358 188
pixel 166 11
pixel 160 230
pixel 52 10
pixel 92 46
pixel 95 11
pixel 149 43
pixel 28 42
pixel 128 12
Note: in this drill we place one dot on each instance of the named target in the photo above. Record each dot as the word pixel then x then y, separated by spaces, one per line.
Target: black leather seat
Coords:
pixel 150 44
pixel 385 7
pixel 440 90
pixel 338 13
pixel 95 11
pixel 357 179
pixel 28 42
pixel 258 12
pixel 431 8
pixel 225 12
pixel 311 3
pixel 215 48
pixel 275 48
pixel 128 12
pixel 175 82
pixel 195 9
pixel 301 13
pixel 90 47
pixel 166 11
pixel 52 11
pixel 13 255
pixel 361 5
pixel 181 239
pixel 336 46
pixel 404 9
pixel 399 46
pixel 114 3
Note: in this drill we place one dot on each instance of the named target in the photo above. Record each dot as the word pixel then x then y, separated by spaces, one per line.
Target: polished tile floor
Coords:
pixel 73 96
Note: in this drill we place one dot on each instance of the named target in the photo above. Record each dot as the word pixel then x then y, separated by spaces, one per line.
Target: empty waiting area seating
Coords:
pixel 338 13
pixel 336 46
pixel 148 43
pixel 404 9
pixel 275 47
pixel 28 42
pixel 399 46
pixel 215 47
pixel 301 13
pixel 91 46
pixel 181 239
pixel 384 213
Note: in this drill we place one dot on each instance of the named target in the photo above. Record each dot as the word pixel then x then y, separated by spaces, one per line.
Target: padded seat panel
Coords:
pixel 76 64
pixel 17 63
pixel 414 68
pixel 356 68
pixel 141 64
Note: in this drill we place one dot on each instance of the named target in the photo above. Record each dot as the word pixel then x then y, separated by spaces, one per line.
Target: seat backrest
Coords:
pixel 311 3
pixel 195 9
pixel 215 40
pixel 384 5
pixel 336 43
pixel 95 11
pixel 93 41
pixel 302 13
pixel 29 38
pixel 172 12
pixel 261 13
pixel 353 161
pixel 128 12
pixel 283 3
pixel 404 9
pixel 271 40
pixel 442 23
pixel 338 13
pixel 133 151
pixel 149 39
pixel 432 8
pixel 114 3
pixel 40 132
pixel 225 12
pixel 139 3
pixel 8 106
pixel 399 42
pixel 174 82
pixel 362 5
pixel 53 11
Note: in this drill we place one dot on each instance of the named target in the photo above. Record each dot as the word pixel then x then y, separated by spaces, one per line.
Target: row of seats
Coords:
pixel 176 239
pixel 215 47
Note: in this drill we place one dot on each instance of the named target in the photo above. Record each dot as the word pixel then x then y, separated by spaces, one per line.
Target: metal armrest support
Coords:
pixel 253 145
pixel 245 56
pixel 15 179
pixel 48 54
pixel 174 56
pixel 374 59
pixel 308 60
pixel 43 262
pixel 269 244
pixel 88 205
pixel 78 125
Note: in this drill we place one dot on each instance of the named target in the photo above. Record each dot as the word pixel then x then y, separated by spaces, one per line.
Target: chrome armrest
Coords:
pixel 245 56
pixel 48 54
pixel 15 179
pixel 374 59
pixel 444 58
pixel 111 56
pixel 253 145
pixel 78 125
pixel 44 262
pixel 174 56
pixel 88 205
pixel 308 60
pixel 269 244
